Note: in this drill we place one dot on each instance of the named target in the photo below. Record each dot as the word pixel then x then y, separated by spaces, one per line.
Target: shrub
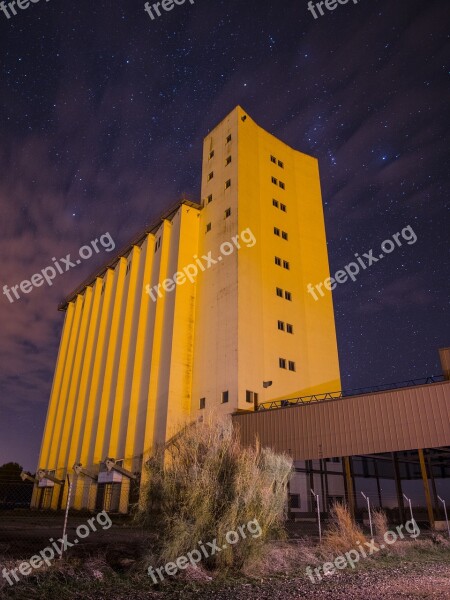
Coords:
pixel 380 524
pixel 203 484
pixel 342 533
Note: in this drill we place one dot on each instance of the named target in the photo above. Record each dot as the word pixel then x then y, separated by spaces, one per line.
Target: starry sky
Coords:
pixel 103 113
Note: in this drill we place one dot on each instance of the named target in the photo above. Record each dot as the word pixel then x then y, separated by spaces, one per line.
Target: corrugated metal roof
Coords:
pixel 403 419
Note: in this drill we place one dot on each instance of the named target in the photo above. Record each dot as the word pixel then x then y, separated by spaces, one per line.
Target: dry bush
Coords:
pixel 342 533
pixel 203 484
pixel 380 523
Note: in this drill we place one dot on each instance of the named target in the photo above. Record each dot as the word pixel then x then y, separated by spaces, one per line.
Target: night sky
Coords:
pixel 103 113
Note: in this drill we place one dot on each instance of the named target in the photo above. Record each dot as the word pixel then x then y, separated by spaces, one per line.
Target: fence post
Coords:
pixel 445 512
pixel 69 494
pixel 316 496
pixel 370 514
pixel 408 500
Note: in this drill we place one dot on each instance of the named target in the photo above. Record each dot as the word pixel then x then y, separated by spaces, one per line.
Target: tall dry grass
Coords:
pixel 204 484
pixel 342 532
pixel 380 524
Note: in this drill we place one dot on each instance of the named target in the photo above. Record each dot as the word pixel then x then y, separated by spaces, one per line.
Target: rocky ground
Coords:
pixel 393 579
pixel 404 583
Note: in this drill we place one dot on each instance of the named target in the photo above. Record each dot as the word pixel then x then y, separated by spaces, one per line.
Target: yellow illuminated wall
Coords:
pixel 237 341
pixel 131 371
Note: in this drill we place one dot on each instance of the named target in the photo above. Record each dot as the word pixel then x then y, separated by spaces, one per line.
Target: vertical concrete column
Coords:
pixel 349 485
pixel 423 470
pixel 398 487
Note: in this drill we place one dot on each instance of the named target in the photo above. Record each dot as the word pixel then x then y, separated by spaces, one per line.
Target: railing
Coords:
pixel 304 400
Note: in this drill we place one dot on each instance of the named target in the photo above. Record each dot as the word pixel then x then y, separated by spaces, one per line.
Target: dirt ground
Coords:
pixel 393 584
pixel 109 566
pixel 411 581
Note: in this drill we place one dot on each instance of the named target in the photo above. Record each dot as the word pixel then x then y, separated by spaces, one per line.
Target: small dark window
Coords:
pixel 289 328
pixel 275 203
pixel 288 295
pixel 286 264
pixel 227 213
pixel 281 325
pixel 282 363
pixel 211 154
pixel 278 261
pixel 283 207
pixel 279 292
pixel 291 365
pixel 228 139
pixel 210 198
pixel 294 500
pixel 202 403
pixel 284 235
pixel 228 160
pixel 211 175
pixel 282 186
pixel 281 164
pixel 273 159
pixel 276 231
pixel 228 184
pixel 208 227
pixel 251 398
pixel 224 397
pixel 274 180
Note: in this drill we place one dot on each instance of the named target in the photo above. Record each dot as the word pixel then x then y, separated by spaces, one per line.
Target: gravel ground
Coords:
pixel 404 583
pixel 419 576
